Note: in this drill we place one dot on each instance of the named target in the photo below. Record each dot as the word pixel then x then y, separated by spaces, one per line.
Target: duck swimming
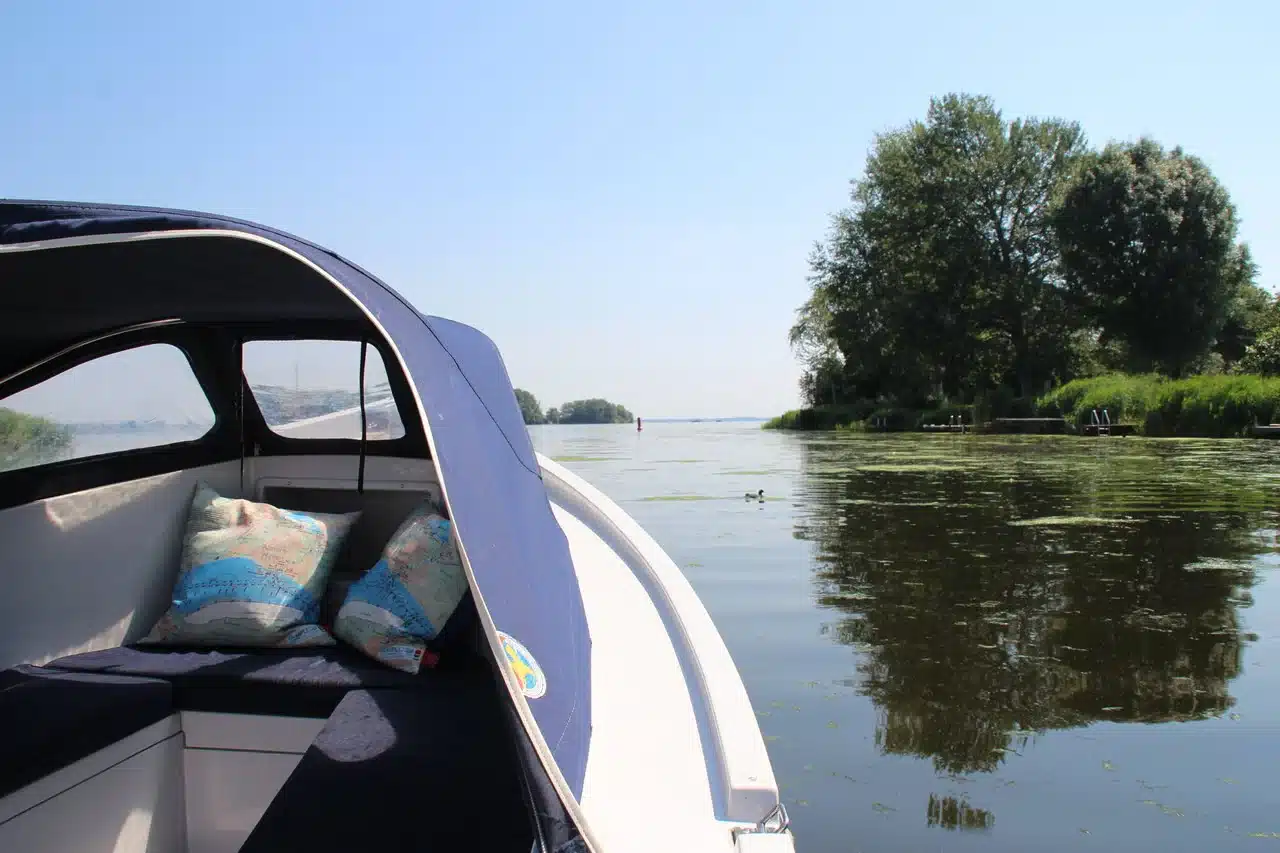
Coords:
pixel 757 496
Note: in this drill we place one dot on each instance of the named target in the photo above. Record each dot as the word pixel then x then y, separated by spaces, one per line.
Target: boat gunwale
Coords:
pixel 741 775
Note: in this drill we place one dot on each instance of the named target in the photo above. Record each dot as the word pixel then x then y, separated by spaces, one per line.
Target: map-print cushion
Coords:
pixel 405 599
pixel 252 574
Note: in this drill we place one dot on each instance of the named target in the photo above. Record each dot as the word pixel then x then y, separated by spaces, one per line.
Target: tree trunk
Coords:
pixel 1022 362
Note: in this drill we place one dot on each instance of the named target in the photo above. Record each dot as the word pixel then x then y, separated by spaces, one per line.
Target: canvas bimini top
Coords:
pixel 118 267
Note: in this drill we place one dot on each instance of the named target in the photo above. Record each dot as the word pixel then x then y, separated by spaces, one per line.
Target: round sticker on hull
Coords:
pixel 533 683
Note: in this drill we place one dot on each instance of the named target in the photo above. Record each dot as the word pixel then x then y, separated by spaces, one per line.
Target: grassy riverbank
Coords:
pixel 867 416
pixel 1206 406
pixel 27 439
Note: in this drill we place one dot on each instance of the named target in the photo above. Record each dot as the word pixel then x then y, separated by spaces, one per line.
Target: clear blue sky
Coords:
pixel 624 200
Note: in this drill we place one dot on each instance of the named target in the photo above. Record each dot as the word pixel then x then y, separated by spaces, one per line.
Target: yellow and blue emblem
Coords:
pixel 533 683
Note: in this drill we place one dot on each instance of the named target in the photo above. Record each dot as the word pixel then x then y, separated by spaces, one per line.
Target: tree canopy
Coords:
pixel 982 254
pixel 530 410
pixel 592 411
pixel 1148 246
pixel 28 439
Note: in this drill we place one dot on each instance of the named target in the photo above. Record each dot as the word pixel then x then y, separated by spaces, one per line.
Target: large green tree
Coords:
pixel 1148 245
pixel 530 410
pixel 981 254
pixel 1251 312
pixel 941 278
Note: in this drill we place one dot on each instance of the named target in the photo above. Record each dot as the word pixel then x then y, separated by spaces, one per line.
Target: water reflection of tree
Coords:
pixel 976 633
pixel 954 813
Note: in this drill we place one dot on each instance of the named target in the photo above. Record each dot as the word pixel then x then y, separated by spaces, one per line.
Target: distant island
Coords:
pixel 592 411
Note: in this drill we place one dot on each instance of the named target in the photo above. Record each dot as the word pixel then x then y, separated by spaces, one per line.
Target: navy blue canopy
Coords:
pixel 516 551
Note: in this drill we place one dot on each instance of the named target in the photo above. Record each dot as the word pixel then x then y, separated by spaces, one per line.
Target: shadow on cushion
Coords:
pixel 52 719
pixel 306 682
pixel 286 682
pixel 405 770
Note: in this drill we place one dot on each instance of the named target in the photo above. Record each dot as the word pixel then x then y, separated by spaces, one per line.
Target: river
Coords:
pixel 983 643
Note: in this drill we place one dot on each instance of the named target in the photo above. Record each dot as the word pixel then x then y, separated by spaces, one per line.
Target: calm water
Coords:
pixel 960 643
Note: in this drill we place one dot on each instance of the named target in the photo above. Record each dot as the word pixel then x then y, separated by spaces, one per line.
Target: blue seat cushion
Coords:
pixel 405 770
pixel 287 682
pixel 51 719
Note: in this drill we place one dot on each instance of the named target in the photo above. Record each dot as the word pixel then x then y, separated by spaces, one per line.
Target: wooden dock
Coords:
pixel 1027 426
pixel 947 427
pixel 1055 426
pixel 1108 429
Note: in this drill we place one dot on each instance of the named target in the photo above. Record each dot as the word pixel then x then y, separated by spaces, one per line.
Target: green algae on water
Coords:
pixel 852 595
pixel 908 468
pixel 1070 521
pixel 1215 564
pixel 679 498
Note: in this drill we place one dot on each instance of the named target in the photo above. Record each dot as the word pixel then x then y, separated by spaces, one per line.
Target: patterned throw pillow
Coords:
pixel 252 575
pixel 405 599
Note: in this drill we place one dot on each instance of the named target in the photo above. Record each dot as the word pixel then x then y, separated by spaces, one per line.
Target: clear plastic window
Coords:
pixel 311 389
pixel 128 400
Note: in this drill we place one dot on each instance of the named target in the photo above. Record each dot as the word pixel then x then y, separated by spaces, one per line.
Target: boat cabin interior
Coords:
pixel 146 370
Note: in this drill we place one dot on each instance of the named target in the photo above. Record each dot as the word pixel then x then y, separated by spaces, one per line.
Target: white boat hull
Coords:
pixel 674 732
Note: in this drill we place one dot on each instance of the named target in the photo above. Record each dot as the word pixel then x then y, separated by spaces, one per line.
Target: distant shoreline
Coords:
pixel 128 426
pixel 644 420
pixel 1149 405
pixel 735 420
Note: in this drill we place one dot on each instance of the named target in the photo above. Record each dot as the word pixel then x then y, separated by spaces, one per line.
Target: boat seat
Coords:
pixel 52 719
pixel 307 682
pixel 281 682
pixel 395 770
